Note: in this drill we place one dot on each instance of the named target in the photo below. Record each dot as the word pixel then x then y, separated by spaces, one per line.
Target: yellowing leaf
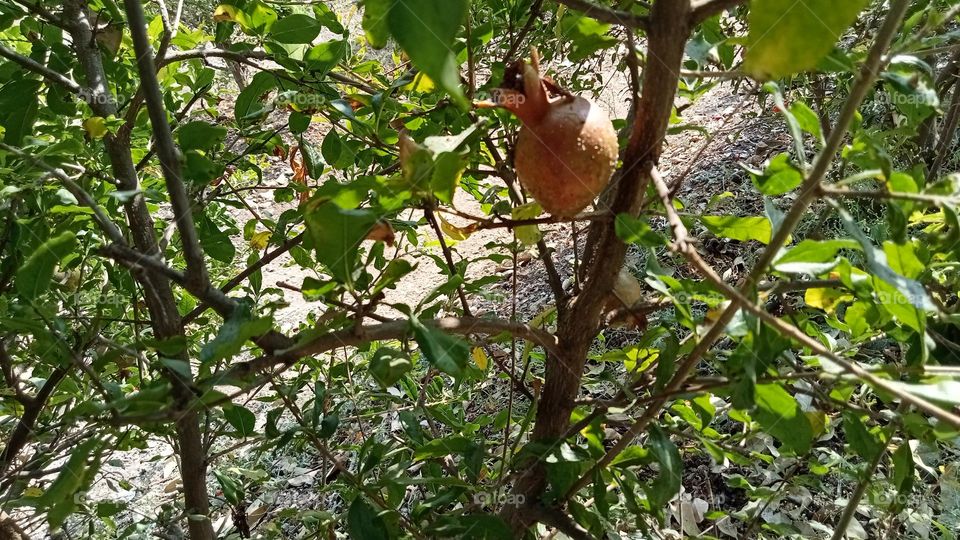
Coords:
pixel 225 13
pixel 825 299
pixel 454 232
pixel 420 83
pixel 527 235
pixel 95 126
pixel 259 240
pixel 480 358
pixel 32 491
pixel 818 422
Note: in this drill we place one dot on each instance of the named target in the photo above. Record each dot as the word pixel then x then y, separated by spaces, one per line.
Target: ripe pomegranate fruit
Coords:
pixel 567 148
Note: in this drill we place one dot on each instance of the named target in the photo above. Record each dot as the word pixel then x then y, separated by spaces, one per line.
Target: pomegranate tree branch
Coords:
pixel 26 425
pixel 247 272
pixel 245 57
pixel 32 65
pixel 606 14
pixel 211 296
pixel 167 151
pixel 708 8
pixel 355 336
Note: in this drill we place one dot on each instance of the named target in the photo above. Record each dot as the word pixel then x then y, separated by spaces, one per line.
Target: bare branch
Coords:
pixel 197 279
pixel 352 337
pixel 36 67
pixel 238 279
pixel 606 14
pixel 879 194
pixel 708 8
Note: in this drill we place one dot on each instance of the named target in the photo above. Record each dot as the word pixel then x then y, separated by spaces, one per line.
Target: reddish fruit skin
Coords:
pixel 566 158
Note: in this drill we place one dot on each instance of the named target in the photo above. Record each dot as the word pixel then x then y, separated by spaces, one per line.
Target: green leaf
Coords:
pixel 375 22
pixel 779 414
pixel 328 426
pixel 215 243
pixel 241 418
pixel 903 260
pixel 311 158
pixel 296 28
pixel 77 474
pixel 667 483
pixel 251 103
pixel 790 36
pixel 396 269
pixel 527 235
pixel 911 87
pixel 321 58
pixel 363 522
pixel 812 256
pixel 586 35
pixel 232 490
pixel 388 365
pixel 864 443
pixel 447 353
pixel 903 468
pixel 298 122
pixel 739 228
pixel 200 135
pixel 33 277
pixel 778 177
pixel 425 30
pixel 19 105
pixel 236 330
pixel 336 233
pixel 437 448
pixel 807 119
pixel 912 290
pixel 637 231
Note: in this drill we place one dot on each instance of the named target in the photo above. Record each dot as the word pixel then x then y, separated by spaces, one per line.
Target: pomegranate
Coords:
pixel 567 148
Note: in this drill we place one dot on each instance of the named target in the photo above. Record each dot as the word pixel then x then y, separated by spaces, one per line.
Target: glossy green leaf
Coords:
pixel 296 28
pixel 779 414
pixel 251 104
pixel 233 335
pixel 336 233
pixel 426 29
pixel 388 365
pixel 364 523
pixel 19 107
pixel 33 277
pixel 242 420
pixel 375 22
pixel 200 135
pixel 790 36
pixel 739 228
pixel 778 177
pixel 667 483
pixel 445 352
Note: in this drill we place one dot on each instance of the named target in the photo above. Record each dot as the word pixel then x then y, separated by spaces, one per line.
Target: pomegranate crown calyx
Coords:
pixel 523 92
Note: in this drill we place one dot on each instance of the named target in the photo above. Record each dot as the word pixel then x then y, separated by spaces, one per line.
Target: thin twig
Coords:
pixel 606 14
pixel 36 67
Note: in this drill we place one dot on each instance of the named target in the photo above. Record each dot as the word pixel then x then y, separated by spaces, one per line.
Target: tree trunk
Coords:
pixel 578 325
pixel 161 304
